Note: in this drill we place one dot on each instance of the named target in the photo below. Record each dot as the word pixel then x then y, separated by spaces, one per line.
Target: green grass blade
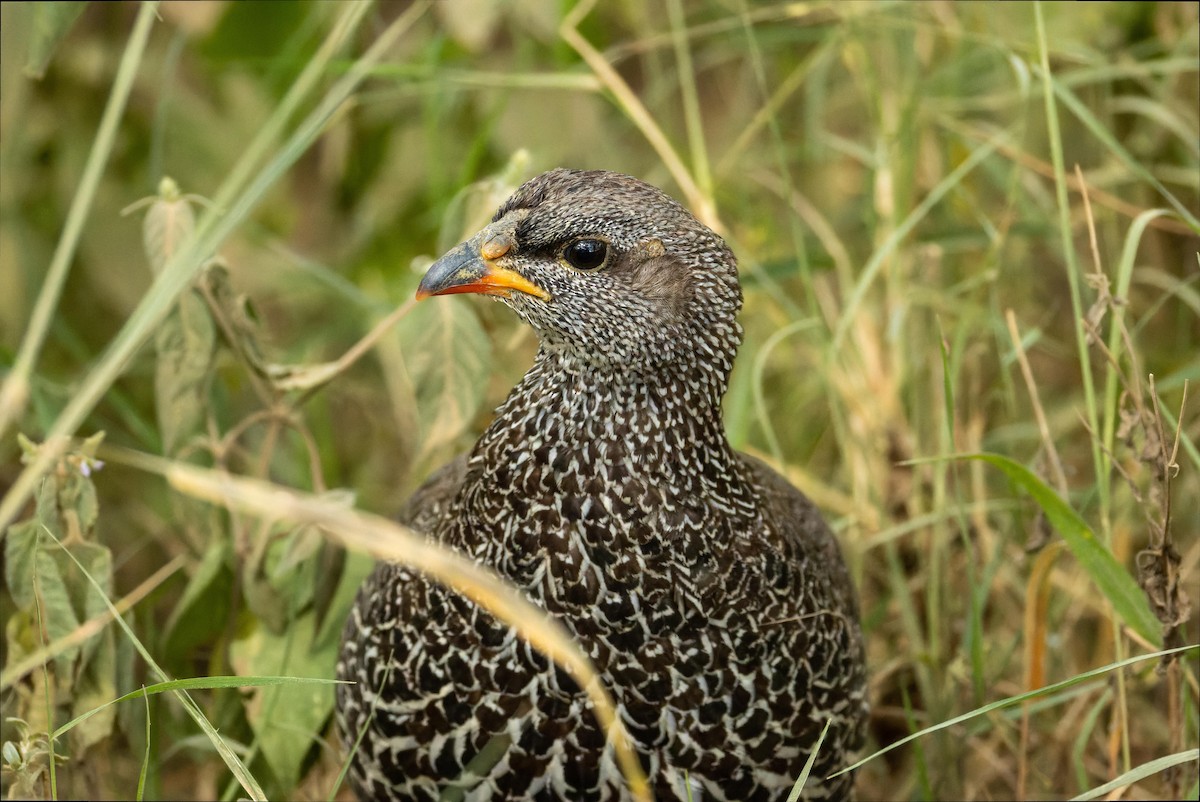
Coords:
pixel 977 598
pixel 798 788
pixel 1116 343
pixel 178 274
pixel 362 731
pixel 141 789
pixel 1117 584
pixel 1021 697
pixel 1067 243
pixel 758 383
pixel 15 390
pixel 878 259
pixel 691 98
pixel 197 684
pixel 1141 772
pixel 222 747
pixel 1105 136
pixel 1079 747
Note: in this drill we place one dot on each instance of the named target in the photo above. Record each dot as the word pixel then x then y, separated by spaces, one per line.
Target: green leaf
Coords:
pixel 447 356
pixel 87 599
pixel 77 493
pixel 280 574
pixel 357 568
pixel 201 613
pixel 167 225
pixel 21 634
pixel 263 598
pixel 20 550
pixel 58 614
pixel 96 684
pixel 185 342
pixel 51 23
pixel 1116 583
pixel 286 718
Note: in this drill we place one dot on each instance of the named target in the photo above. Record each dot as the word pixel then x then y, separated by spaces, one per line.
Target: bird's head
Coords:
pixel 610 272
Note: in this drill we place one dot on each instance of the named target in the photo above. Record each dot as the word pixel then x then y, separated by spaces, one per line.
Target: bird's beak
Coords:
pixel 471 268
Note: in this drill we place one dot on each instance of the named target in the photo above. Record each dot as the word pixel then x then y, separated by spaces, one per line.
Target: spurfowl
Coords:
pixel 706 589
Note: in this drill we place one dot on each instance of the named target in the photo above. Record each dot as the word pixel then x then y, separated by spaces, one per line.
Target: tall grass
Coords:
pixel 968 239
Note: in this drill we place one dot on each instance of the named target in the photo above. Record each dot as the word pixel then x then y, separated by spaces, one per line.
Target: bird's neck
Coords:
pixel 574 438
pixel 656 421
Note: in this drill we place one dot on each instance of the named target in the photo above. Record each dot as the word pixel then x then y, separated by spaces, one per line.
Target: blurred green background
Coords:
pixel 886 174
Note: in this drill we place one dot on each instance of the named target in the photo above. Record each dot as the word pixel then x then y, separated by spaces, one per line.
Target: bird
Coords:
pixel 708 592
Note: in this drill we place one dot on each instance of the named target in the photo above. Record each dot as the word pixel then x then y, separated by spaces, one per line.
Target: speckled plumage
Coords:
pixel 707 591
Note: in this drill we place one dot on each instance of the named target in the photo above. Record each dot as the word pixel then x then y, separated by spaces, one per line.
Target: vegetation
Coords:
pixel 968 237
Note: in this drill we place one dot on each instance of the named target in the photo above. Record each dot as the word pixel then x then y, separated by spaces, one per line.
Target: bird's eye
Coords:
pixel 586 254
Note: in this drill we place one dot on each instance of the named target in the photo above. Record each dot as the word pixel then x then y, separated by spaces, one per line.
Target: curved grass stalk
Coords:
pixel 386 540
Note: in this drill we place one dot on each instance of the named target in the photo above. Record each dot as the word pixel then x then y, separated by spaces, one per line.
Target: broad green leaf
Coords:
pixel 279 577
pixel 95 685
pixel 447 357
pixel 185 342
pixel 167 225
pixel 286 718
pixel 76 496
pixel 20 550
pixel 263 598
pixel 357 568
pixel 58 617
pixel 1116 583
pixel 87 600
pixel 200 614
pixel 21 634
pixel 48 583
pixel 186 346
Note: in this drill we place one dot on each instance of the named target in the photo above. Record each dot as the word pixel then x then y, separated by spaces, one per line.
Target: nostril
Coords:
pixel 496 246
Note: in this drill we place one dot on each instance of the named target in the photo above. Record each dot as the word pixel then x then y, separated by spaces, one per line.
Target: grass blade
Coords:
pixel 227 754
pixel 798 788
pixel 141 789
pixel 15 391
pixel 196 684
pixel 1117 584
pixel 1105 136
pixel 215 226
pixel 384 539
pixel 1021 697
pixel 1141 772
pixel 873 267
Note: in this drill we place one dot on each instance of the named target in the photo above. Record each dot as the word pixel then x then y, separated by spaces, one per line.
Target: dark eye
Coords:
pixel 586 254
